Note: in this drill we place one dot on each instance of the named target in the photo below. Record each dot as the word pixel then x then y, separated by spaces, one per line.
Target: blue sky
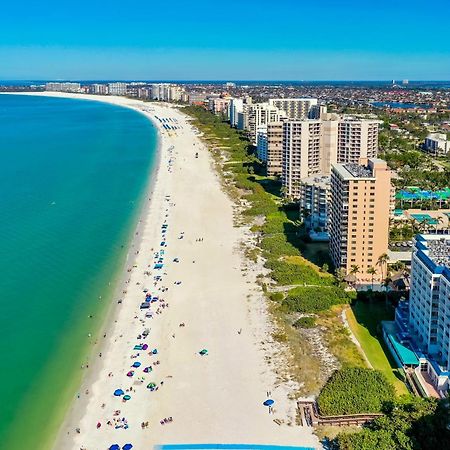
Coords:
pixel 246 40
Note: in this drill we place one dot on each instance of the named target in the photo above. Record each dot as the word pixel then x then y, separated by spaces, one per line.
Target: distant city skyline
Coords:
pixel 252 40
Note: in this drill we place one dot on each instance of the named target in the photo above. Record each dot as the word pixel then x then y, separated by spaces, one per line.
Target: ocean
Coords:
pixel 73 178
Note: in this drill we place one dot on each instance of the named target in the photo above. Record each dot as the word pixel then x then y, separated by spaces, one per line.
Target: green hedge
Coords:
pixel 355 391
pixel 312 299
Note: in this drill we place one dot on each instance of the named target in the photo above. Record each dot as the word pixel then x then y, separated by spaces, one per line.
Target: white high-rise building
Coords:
pixel 63 87
pixel 236 107
pixel 437 144
pixel 294 108
pixel 117 88
pixel 261 143
pixel 167 92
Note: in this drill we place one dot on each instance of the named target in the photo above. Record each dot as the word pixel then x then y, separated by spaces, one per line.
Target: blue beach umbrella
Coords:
pixel 114 447
pixel 118 392
pixel 136 364
pixel 127 397
pixel 268 402
pixel 127 447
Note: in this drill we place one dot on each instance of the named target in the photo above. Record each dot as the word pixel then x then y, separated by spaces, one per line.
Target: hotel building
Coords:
pixel 359 216
pixel 294 108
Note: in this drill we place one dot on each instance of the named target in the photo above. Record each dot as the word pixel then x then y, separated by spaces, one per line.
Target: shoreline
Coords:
pixel 215 300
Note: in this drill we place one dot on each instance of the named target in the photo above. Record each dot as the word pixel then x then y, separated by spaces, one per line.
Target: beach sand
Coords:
pixel 215 398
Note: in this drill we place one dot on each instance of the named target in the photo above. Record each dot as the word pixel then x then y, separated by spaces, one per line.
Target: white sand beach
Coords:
pixel 214 398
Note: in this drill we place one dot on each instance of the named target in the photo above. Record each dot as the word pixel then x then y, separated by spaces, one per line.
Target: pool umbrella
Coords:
pixel 130 373
pixel 136 364
pixel 127 397
pixel 203 352
pixel 127 447
pixel 268 402
pixel 118 392
pixel 114 447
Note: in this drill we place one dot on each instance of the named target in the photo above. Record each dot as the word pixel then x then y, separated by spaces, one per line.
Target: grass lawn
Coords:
pixel 364 320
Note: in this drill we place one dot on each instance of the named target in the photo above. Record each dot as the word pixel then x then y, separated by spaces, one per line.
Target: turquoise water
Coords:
pixel 73 174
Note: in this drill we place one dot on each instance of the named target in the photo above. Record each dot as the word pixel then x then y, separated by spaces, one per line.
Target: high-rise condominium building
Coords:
pixel 314 145
pixel 99 89
pixel 261 143
pixel 437 144
pixel 236 107
pixel 314 202
pixel 429 299
pixel 302 153
pixel 117 88
pixel 259 114
pixel 359 216
pixel 356 138
pixel 274 163
pixel 294 108
pixel 63 87
pixel 167 92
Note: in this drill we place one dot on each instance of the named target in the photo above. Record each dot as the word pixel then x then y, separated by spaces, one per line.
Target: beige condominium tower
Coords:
pixel 359 217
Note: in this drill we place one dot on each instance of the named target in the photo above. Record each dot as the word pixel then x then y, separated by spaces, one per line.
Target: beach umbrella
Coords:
pixel 114 447
pixel 155 351
pixel 127 397
pixel 151 385
pixel 118 392
pixel 268 402
pixel 127 447
pixel 130 373
pixel 148 369
pixel 136 364
pixel 145 347
pixel 203 352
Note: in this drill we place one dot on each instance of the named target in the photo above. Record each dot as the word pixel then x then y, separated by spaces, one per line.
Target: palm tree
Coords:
pixel 382 262
pixel 372 272
pixel 354 269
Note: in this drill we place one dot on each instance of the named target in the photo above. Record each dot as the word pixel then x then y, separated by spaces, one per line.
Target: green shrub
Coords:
pixel 355 391
pixel 276 296
pixel 311 299
pixel 305 322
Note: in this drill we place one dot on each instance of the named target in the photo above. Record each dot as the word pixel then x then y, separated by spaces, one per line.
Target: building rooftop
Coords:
pixel 358 171
pixel 436 247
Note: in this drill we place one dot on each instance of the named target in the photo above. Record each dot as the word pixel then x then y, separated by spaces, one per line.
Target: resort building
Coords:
pixel 63 87
pixel 359 216
pixel 259 114
pixel 274 161
pixel 437 144
pixel 117 88
pixel 294 108
pixel 314 203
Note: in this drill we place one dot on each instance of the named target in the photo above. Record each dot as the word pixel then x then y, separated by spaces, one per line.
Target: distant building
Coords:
pixel 117 88
pixel 437 144
pixel 63 87
pixel 144 93
pixel 166 92
pixel 236 107
pixel 294 108
pixel 99 89
pixel 359 216
pixel 314 203
pixel 220 105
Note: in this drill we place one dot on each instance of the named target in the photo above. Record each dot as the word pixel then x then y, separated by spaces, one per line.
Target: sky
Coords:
pixel 226 40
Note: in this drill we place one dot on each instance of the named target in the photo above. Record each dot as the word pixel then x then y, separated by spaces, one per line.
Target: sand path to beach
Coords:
pixel 215 398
